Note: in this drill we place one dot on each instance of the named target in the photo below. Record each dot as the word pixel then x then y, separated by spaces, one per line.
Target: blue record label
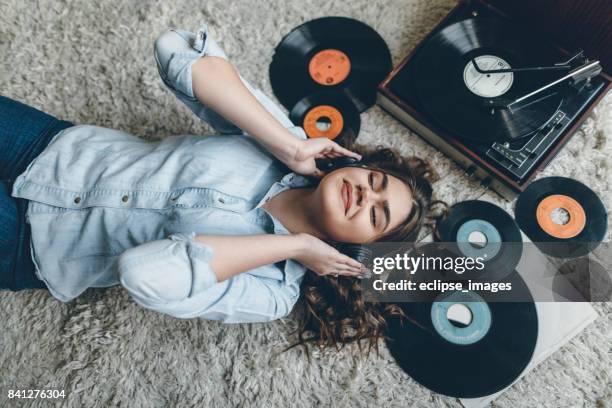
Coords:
pixel 490 247
pixel 476 329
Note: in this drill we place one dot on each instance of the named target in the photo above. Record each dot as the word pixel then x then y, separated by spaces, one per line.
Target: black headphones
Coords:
pixel 335 163
pixel 358 252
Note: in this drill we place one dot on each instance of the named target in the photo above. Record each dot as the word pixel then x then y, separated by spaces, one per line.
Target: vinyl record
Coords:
pixel 458 97
pixel 459 344
pixel 563 217
pixel 482 229
pixel 330 53
pixel 327 114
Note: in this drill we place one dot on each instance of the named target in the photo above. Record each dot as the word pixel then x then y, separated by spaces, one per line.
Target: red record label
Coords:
pixel 333 115
pixel 577 216
pixel 329 67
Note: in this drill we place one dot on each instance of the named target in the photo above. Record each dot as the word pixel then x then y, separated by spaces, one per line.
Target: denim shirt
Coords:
pixel 107 207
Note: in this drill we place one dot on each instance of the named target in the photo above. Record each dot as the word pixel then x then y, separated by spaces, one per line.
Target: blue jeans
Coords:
pixel 24 133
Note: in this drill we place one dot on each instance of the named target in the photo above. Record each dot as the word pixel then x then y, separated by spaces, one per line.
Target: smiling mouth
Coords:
pixel 347 195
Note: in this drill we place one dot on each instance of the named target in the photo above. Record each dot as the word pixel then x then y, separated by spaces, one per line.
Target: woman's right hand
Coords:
pixel 323 259
pixel 302 158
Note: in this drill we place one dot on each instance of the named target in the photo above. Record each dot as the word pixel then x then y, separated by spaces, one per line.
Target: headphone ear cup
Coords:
pixel 335 163
pixel 358 252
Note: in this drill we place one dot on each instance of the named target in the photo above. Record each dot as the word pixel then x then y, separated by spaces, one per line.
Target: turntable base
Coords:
pixel 433 91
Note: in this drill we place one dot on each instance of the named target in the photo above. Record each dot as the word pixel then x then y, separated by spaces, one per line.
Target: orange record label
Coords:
pixel 329 67
pixel 323 121
pixel 577 216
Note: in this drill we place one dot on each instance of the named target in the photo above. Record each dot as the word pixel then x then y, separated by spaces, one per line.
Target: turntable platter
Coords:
pixel 457 95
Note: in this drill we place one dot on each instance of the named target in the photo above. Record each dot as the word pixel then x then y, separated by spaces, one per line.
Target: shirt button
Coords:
pixel 124 199
pixel 77 200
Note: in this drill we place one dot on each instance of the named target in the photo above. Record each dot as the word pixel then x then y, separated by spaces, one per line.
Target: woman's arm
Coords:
pixel 185 275
pixel 217 85
pixel 175 276
pixel 236 254
pixel 216 258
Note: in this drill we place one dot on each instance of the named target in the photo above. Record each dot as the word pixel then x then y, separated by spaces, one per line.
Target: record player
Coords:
pixel 500 86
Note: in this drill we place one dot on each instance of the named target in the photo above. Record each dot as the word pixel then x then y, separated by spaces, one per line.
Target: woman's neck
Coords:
pixel 296 209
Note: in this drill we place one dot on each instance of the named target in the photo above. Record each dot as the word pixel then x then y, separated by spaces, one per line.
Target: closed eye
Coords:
pixel 383 186
pixel 373 210
pixel 383 182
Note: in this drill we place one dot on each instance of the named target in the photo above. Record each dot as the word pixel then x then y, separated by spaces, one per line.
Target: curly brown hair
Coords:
pixel 334 312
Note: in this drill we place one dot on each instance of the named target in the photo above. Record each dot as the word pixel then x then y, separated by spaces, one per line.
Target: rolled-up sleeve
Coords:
pixel 166 270
pixel 180 70
pixel 173 276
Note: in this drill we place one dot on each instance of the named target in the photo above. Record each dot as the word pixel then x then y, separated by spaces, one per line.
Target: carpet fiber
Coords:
pixel 91 62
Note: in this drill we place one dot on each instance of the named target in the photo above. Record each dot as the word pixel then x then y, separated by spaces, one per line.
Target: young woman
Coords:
pixel 194 226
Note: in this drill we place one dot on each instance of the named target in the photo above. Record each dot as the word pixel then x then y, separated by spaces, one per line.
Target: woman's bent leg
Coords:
pixel 16 266
pixel 8 234
pixel 24 133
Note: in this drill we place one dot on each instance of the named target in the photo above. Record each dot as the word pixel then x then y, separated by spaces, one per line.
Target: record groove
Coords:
pixel 331 108
pixel 456 96
pixel 503 249
pixel 456 359
pixel 533 213
pixel 330 53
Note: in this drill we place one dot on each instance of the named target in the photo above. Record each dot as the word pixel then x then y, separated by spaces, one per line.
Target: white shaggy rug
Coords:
pixel 91 62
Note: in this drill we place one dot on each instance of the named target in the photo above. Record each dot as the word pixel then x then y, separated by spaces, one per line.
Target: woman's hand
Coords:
pixel 218 86
pixel 323 259
pixel 302 160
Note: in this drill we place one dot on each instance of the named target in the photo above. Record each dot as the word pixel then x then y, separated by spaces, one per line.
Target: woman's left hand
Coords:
pixel 303 161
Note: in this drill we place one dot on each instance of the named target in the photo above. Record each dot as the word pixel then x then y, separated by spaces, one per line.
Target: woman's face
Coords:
pixel 359 205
